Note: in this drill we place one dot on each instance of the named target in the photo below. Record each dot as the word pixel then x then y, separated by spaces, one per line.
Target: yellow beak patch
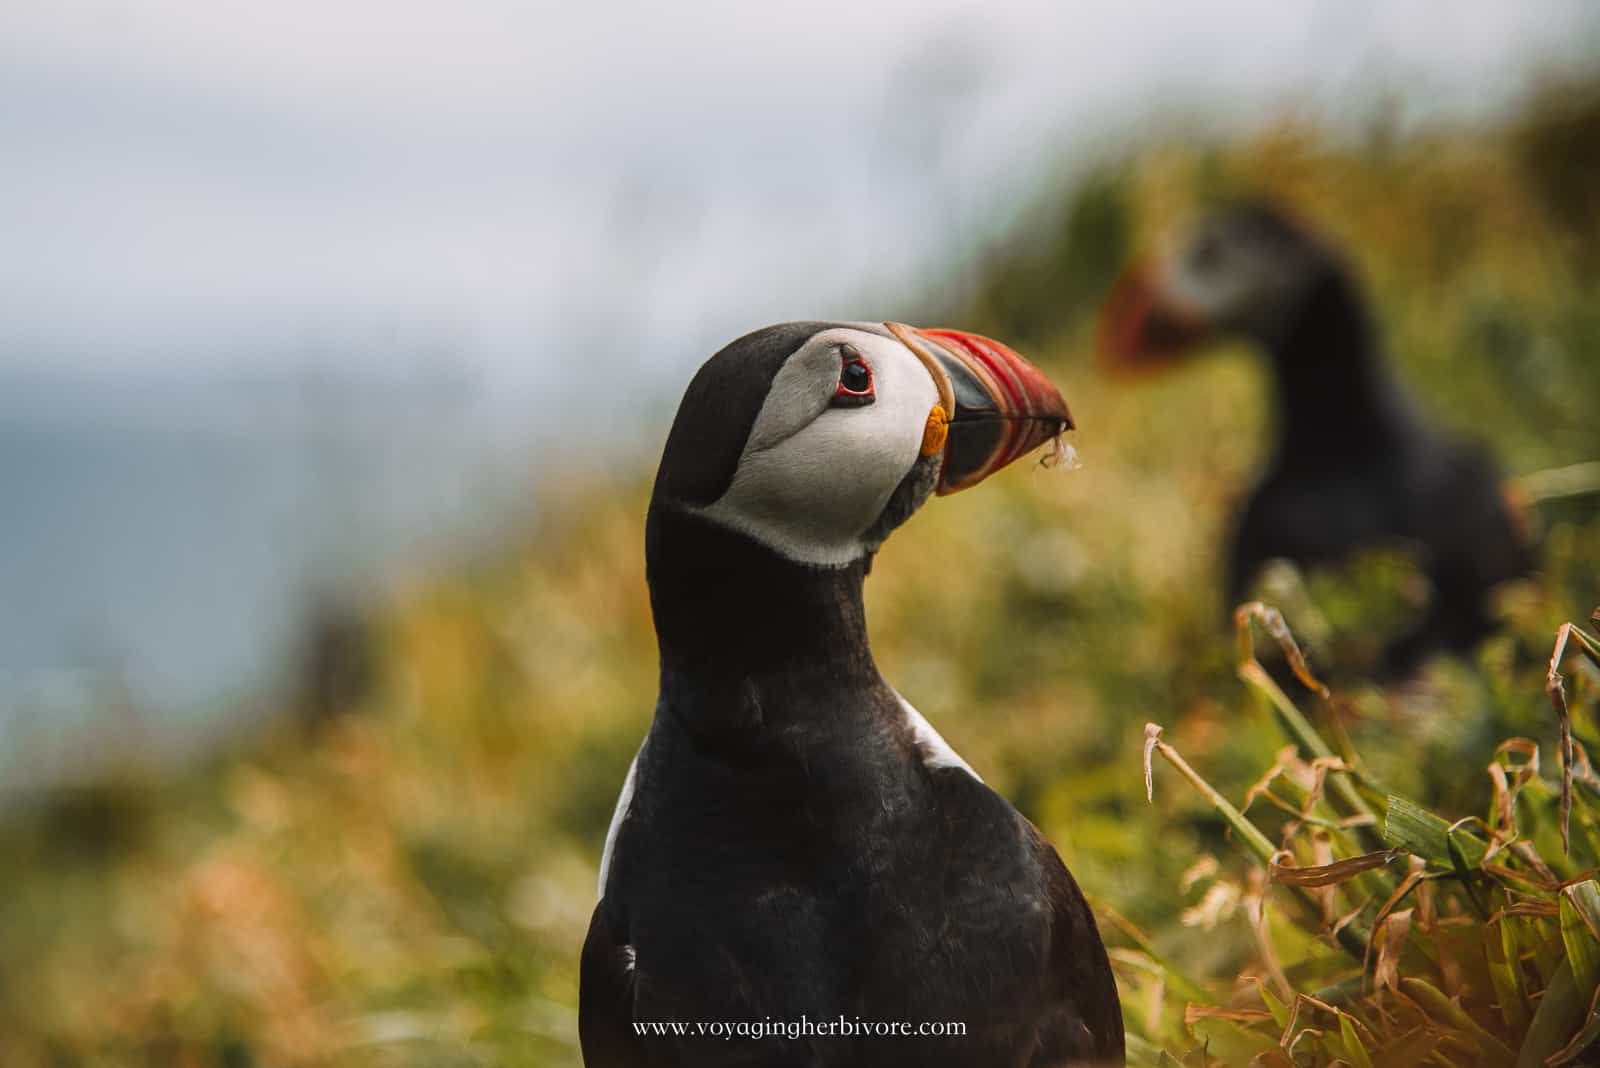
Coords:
pixel 935 433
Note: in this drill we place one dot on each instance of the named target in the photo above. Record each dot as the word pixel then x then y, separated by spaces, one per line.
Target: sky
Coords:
pixel 519 190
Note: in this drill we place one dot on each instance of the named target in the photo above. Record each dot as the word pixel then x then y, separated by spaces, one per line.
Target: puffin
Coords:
pixel 1355 465
pixel 799 870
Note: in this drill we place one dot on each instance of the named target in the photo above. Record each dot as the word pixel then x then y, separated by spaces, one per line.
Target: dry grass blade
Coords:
pixel 1509 778
pixel 1392 935
pixel 1152 738
pixel 1341 922
pixel 1262 787
pixel 1255 904
pixel 1220 901
pixel 1525 852
pixel 1204 868
pixel 1413 877
pixel 1504 814
pixel 1252 673
pixel 1536 881
pixel 1555 687
pixel 1354 1035
pixel 1545 910
pixel 1278 630
pixel 1570 481
pixel 1192 1013
pixel 1328 874
pixel 1322 851
pixel 1254 841
pixel 1528 749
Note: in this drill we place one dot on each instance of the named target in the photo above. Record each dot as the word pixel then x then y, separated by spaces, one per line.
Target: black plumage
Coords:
pixel 788 854
pixel 1355 465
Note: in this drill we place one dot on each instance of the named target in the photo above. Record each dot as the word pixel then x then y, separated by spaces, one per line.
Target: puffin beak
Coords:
pixel 998 406
pixel 1141 329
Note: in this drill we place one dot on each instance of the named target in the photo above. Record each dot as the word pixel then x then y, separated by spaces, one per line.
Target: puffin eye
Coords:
pixel 855 380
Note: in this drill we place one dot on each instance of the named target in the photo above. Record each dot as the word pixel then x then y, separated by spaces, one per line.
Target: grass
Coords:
pixel 408 882
pixel 1483 946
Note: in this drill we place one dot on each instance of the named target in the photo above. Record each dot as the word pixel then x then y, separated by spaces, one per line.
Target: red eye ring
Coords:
pixel 855 379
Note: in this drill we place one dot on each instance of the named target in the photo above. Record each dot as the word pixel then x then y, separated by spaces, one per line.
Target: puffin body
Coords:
pixel 1355 465
pixel 800 871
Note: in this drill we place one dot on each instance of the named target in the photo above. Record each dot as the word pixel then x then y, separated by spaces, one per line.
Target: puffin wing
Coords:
pixel 1086 1028
pixel 605 999
pixel 608 975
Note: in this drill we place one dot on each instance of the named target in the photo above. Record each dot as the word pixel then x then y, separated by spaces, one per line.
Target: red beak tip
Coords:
pixel 1140 332
pixel 1120 338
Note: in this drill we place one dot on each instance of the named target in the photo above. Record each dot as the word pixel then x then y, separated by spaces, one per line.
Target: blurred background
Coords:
pixel 337 345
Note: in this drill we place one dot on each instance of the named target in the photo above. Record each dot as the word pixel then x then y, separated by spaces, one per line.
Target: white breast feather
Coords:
pixel 937 750
pixel 617 816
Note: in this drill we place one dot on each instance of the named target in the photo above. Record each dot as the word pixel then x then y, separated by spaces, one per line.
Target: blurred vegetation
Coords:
pixel 1385 933
pixel 404 875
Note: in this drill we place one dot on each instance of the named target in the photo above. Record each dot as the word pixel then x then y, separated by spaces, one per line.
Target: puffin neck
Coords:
pixel 733 617
pixel 1335 398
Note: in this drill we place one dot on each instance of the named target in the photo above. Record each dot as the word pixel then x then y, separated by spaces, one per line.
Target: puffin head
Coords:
pixel 1243 271
pixel 816 439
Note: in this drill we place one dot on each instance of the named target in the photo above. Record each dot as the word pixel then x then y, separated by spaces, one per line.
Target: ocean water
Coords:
pixel 163 544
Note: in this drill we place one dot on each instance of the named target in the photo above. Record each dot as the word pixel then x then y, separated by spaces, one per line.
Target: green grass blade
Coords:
pixel 1581 1042
pixel 1554 1021
pixel 1413 828
pixel 1279 1010
pixel 1354 1050
pixel 1142 1053
pixel 1254 841
pixel 1446 1010
pixel 1580 920
pixel 1460 844
pixel 1505 973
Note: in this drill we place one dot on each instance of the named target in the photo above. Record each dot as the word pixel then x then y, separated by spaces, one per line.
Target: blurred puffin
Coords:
pixel 1355 464
pixel 796 849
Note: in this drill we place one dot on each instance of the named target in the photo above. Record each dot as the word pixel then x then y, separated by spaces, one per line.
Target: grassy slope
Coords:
pixel 411 886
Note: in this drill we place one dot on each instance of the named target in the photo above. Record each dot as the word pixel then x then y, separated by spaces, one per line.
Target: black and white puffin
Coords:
pixel 1355 464
pixel 796 851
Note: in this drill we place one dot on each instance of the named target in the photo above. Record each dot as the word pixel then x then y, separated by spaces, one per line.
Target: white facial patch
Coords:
pixel 1217 287
pixel 814 478
pixel 1234 278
